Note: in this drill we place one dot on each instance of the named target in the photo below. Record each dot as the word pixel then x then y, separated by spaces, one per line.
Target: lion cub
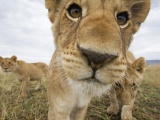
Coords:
pixel 124 92
pixel 24 72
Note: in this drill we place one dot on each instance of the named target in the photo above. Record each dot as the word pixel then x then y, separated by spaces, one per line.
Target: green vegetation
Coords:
pixel 34 107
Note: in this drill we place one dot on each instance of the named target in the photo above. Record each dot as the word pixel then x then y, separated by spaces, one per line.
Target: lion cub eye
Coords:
pixel 75 11
pixel 118 85
pixel 133 85
pixel 122 18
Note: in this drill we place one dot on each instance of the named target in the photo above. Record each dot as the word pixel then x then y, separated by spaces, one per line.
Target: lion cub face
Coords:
pixel 91 36
pixel 8 64
pixel 126 90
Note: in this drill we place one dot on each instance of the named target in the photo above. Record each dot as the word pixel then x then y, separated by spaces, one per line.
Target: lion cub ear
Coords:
pixel 1 59
pixel 52 6
pixel 14 58
pixel 139 65
pixel 139 10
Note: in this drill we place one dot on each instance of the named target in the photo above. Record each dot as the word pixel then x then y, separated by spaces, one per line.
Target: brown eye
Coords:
pixel 2 63
pixel 133 85
pixel 75 11
pixel 122 18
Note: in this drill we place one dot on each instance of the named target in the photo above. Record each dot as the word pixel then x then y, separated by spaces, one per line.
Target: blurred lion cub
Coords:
pixel 124 92
pixel 24 72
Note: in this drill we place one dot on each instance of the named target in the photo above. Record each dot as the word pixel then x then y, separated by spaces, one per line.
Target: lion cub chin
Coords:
pixel 124 92
pixel 24 72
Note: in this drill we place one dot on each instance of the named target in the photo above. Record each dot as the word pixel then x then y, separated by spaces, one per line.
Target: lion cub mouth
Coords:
pixel 6 71
pixel 92 80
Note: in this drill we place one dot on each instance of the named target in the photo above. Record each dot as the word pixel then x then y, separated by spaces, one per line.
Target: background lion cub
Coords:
pixel 24 72
pixel 124 92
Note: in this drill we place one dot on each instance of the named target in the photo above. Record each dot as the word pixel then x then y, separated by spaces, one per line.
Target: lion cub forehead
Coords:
pixel 98 4
pixel 6 59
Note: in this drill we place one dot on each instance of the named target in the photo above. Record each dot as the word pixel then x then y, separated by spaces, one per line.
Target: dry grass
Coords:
pixel 13 107
pixel 152 75
pixel 7 81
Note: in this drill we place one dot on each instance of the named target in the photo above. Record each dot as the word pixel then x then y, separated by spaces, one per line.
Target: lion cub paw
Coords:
pixel 112 110
pixel 36 88
pixel 133 118
pixel 23 95
pixel 129 117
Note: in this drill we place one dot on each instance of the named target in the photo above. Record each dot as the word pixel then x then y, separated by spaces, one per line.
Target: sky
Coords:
pixel 25 31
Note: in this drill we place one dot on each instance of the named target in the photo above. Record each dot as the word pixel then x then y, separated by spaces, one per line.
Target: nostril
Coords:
pixel 94 72
pixel 97 58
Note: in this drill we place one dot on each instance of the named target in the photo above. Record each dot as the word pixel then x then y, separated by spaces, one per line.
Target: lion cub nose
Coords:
pixel 5 69
pixel 97 58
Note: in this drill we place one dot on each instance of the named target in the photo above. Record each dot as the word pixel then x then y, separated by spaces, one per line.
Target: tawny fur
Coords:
pixel 73 78
pixel 24 72
pixel 124 92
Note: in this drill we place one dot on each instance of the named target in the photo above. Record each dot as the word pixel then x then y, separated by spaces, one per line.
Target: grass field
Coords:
pixel 13 107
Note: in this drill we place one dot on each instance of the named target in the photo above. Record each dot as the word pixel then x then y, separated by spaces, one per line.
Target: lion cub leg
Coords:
pixel 25 83
pixel 38 84
pixel 79 113
pixel 60 107
pixel 126 113
pixel 114 106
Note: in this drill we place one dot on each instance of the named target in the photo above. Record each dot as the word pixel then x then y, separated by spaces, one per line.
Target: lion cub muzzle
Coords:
pixel 96 41
pixel 96 60
pixel 5 69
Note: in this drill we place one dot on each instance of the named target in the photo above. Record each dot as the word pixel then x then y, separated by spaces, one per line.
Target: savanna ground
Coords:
pixel 13 107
